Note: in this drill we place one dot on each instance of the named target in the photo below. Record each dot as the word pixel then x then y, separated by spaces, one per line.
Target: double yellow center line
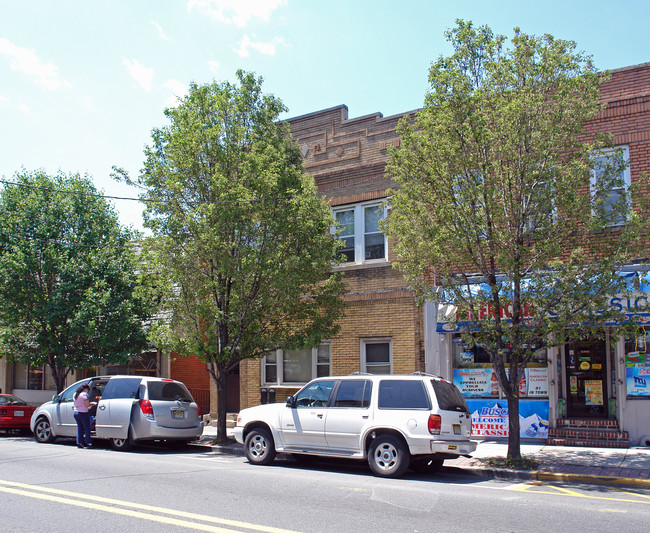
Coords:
pixel 152 513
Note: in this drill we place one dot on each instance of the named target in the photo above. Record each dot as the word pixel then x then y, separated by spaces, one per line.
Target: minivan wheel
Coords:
pixel 122 445
pixel 43 430
pixel 259 447
pixel 388 456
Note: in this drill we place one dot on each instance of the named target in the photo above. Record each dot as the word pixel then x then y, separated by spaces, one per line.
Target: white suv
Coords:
pixel 395 422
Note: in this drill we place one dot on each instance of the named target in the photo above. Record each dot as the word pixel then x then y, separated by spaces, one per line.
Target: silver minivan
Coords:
pixel 129 409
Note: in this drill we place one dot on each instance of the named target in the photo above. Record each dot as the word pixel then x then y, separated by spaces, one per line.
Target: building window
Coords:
pixel 296 367
pixel 358 229
pixel 610 180
pixel 28 377
pixel 376 356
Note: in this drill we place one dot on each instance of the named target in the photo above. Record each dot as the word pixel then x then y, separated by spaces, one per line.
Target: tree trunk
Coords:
pixel 220 378
pixel 514 439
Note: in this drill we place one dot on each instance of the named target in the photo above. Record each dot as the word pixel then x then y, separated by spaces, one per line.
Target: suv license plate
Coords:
pixel 19 413
pixel 456 429
pixel 177 413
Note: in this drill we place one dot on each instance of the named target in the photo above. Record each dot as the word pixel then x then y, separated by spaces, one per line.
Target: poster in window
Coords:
pixel 537 382
pixel 473 381
pixel 638 382
pixel 593 392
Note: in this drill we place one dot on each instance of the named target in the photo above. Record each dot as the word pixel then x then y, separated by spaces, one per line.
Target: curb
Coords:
pixel 541 475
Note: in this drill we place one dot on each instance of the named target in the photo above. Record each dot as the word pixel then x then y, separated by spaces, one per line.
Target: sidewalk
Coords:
pixel 604 466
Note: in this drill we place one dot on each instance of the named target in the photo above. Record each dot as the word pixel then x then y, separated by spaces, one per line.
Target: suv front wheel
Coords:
pixel 259 447
pixel 388 456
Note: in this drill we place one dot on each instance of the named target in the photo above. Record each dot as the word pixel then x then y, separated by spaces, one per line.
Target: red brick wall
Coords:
pixel 191 371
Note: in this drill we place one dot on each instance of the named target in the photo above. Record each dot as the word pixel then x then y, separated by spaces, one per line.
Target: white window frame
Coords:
pixel 280 367
pixel 626 175
pixel 359 231
pixel 376 340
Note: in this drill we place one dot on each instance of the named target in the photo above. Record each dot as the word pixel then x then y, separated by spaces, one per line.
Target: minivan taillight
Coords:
pixel 435 422
pixel 146 408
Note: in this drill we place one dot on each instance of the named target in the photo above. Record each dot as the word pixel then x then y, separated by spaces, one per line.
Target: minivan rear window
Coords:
pixel 168 391
pixel 449 397
pixel 402 394
pixel 121 388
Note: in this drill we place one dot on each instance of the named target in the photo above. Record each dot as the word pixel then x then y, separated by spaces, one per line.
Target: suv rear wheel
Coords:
pixel 388 456
pixel 259 447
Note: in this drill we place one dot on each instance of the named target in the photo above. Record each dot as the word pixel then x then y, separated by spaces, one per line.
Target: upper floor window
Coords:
pixel 376 356
pixel 297 366
pixel 358 228
pixel 610 180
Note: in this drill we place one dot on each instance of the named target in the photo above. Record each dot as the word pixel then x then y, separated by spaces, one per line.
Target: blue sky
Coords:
pixel 83 82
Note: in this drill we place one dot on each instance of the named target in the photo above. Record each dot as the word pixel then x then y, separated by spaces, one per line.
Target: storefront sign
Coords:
pixel 490 418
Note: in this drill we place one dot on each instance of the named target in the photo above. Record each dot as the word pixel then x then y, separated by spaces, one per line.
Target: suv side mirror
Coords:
pixel 291 401
pixel 55 398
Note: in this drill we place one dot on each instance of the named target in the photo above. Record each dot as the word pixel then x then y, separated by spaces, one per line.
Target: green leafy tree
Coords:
pixel 494 213
pixel 68 291
pixel 239 230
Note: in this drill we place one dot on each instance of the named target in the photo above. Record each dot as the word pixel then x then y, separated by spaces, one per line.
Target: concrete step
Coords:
pixel 588 443
pixel 590 434
pixel 587 423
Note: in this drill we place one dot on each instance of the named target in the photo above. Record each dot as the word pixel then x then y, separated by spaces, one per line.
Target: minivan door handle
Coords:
pixel 102 406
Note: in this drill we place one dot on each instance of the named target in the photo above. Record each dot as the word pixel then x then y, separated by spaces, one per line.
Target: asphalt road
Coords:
pixel 60 488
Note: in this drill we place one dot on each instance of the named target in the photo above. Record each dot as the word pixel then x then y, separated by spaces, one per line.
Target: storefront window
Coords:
pixel 476 378
pixel 637 364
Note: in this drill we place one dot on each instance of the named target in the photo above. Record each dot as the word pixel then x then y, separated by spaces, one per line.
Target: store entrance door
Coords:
pixel 586 372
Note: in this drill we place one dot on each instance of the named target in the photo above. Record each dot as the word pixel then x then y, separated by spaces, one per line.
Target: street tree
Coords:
pixel 68 290
pixel 239 231
pixel 494 212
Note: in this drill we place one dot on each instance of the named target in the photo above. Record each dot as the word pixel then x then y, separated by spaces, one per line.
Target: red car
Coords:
pixel 14 412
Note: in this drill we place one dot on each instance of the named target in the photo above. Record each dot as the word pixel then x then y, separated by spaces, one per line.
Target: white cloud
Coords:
pixel 161 33
pixel 267 48
pixel 24 107
pixel 178 90
pixel 214 66
pixel 237 12
pixel 26 61
pixel 141 74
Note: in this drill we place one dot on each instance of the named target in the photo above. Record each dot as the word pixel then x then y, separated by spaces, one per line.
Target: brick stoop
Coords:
pixel 588 433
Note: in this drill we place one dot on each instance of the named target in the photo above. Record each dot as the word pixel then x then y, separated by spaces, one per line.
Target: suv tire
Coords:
pixel 388 456
pixel 259 447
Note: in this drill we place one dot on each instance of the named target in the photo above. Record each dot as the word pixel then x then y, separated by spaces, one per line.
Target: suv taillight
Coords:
pixel 146 408
pixel 434 424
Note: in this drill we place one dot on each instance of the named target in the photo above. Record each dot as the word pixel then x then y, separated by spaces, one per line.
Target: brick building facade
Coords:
pixel 383 328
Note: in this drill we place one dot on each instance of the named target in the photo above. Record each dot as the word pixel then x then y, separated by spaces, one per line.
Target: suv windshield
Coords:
pixel 449 397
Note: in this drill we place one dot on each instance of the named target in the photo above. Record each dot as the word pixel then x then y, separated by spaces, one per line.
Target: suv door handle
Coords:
pixel 365 417
pixel 320 415
pixel 102 406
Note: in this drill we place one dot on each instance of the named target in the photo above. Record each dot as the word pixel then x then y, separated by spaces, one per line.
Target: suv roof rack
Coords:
pixel 359 373
pixel 418 373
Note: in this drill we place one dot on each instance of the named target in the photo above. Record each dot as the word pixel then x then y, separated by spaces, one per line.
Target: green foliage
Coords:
pixel 67 297
pixel 241 235
pixel 494 177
